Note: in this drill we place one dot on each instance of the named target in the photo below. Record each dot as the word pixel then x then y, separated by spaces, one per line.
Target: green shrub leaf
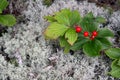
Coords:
pixel 100 19
pixel 65 44
pixel 105 43
pixel 67 49
pixel 0 11
pixel 79 43
pixel 89 15
pixel 71 36
pixel 113 53
pixel 50 18
pixel 67 17
pixel 3 4
pixel 63 17
pixel 55 30
pixel 74 18
pixel 105 33
pixel 92 48
pixel 7 20
pixel 115 72
pixel 88 23
pixel 115 65
pixel 118 62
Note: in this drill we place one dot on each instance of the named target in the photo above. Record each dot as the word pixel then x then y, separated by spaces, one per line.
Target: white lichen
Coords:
pixel 67 67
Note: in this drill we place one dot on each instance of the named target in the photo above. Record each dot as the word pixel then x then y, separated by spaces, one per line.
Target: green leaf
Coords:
pixel 79 43
pixel 63 16
pixel 67 17
pixel 75 18
pixel 92 48
pixel 65 44
pixel 100 19
pixel 7 20
pixel 71 36
pixel 0 11
pixel 115 72
pixel 50 18
pixel 105 33
pixel 115 65
pixel 118 62
pixel 55 30
pixel 46 2
pixel 88 23
pixel 89 15
pixel 105 43
pixel 113 53
pixel 3 4
pixel 67 49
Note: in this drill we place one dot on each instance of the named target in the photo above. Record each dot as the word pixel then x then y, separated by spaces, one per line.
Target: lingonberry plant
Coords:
pixel 82 33
pixel 7 19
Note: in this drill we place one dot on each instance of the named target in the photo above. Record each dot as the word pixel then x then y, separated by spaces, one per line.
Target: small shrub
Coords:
pixel 114 53
pixel 75 32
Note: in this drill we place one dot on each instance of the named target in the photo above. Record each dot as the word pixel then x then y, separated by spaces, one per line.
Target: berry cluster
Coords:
pixel 86 33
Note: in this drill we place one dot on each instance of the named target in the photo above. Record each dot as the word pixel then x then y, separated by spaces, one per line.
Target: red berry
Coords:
pixel 92 37
pixel 94 33
pixel 78 29
pixel 86 34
